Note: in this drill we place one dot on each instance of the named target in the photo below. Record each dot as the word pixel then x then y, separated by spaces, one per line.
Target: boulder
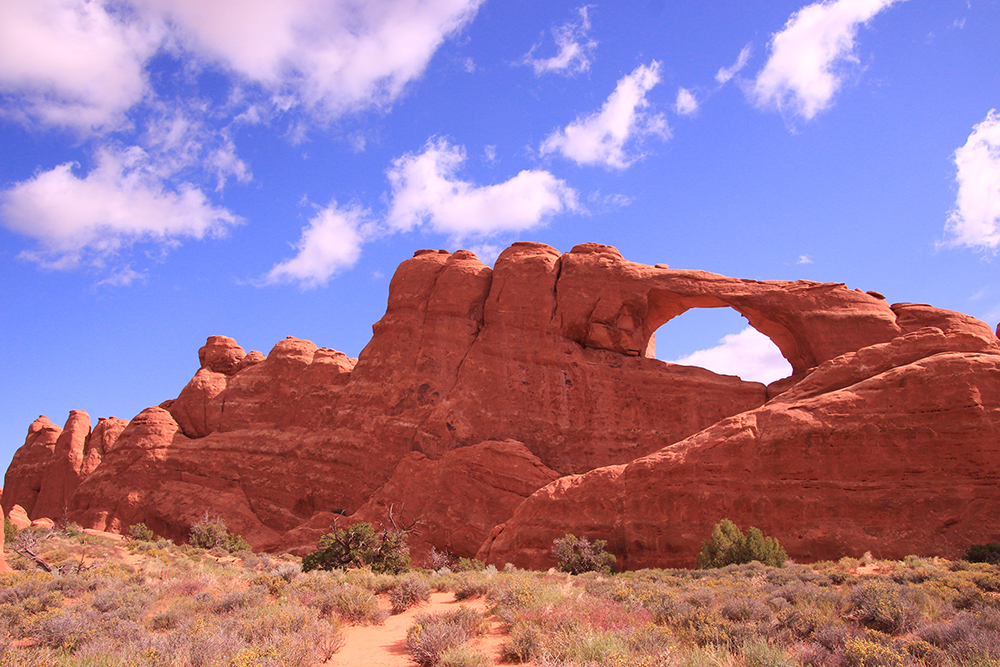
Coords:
pixel 19 517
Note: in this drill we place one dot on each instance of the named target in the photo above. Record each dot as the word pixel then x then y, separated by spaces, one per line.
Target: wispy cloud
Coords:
pixel 804 259
pixel 330 243
pixel 121 201
pixel 601 137
pixel 724 74
pixel 975 219
pixel 575 49
pixel 426 191
pixel 809 56
pixel 749 354
pixel 686 104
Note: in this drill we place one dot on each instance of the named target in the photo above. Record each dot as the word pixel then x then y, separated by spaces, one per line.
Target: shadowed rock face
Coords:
pixel 497 409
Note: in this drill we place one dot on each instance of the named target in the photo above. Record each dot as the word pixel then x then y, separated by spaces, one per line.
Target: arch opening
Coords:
pixel 722 341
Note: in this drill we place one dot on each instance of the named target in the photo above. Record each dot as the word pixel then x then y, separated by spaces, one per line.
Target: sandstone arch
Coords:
pixel 617 305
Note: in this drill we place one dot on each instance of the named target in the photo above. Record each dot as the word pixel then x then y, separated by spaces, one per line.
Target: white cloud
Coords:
pixel 82 63
pixel 332 242
pixel 749 354
pixel 686 104
pixel 804 259
pixel 575 49
pixel 123 200
pixel 331 56
pixel 975 219
pixel 726 73
pixel 805 68
pixel 600 138
pixel 425 190
pixel 73 63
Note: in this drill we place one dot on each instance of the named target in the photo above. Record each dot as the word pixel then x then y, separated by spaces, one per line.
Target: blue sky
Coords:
pixel 174 169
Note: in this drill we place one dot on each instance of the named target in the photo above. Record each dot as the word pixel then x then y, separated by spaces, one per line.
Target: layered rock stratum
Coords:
pixel 498 409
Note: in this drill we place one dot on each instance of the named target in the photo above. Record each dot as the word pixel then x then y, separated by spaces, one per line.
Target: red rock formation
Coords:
pixel 894 449
pixel 19 517
pixel 24 476
pixel 504 407
pixel 455 501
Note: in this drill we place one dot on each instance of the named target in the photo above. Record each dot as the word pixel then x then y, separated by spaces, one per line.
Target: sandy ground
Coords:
pixel 385 645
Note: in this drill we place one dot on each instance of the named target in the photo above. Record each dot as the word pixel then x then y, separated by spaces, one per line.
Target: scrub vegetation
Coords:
pixel 145 601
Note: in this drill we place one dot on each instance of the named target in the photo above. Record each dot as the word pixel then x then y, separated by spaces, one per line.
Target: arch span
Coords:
pixel 604 301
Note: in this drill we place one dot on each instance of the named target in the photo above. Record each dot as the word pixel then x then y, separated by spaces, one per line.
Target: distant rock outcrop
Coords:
pixel 497 409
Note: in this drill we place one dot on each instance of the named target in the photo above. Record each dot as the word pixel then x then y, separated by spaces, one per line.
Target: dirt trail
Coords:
pixel 385 645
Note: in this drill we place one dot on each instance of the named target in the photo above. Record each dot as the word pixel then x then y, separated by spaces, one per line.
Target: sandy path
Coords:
pixel 385 645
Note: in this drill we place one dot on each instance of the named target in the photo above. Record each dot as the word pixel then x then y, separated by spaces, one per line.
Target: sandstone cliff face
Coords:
pixel 501 408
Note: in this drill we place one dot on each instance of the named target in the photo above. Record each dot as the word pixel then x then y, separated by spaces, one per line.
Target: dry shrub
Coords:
pixel 464 656
pixel 410 590
pixel 758 652
pixel 431 635
pixel 471 585
pixel 880 605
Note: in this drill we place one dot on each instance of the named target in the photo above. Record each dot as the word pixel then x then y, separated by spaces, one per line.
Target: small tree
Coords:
pixel 984 553
pixel 9 531
pixel 139 532
pixel 211 533
pixel 360 545
pixel 728 546
pixel 578 554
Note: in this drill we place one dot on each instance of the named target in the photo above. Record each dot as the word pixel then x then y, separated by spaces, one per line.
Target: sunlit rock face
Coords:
pixel 495 410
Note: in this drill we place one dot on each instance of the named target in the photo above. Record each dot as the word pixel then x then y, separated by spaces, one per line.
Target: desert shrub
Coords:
pixel 758 652
pixel 330 597
pixel 409 591
pixel 880 605
pixel 9 532
pixel 287 571
pixel 464 656
pixel 969 635
pixel 470 585
pixel 728 545
pixel 468 565
pixel 437 559
pixel 524 643
pixel 237 599
pixel 211 533
pixel 867 651
pixel 577 555
pixel 360 545
pixel 984 553
pixel 66 631
pixel 743 608
pixel 431 635
pixel 141 533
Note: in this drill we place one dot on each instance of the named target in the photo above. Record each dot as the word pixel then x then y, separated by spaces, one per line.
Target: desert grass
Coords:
pixel 152 603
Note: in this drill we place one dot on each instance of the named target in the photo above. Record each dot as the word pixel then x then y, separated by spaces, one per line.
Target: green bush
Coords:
pixel 141 533
pixel 211 533
pixel 984 553
pixel 468 565
pixel 9 531
pixel 360 545
pixel 729 546
pixel 578 554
